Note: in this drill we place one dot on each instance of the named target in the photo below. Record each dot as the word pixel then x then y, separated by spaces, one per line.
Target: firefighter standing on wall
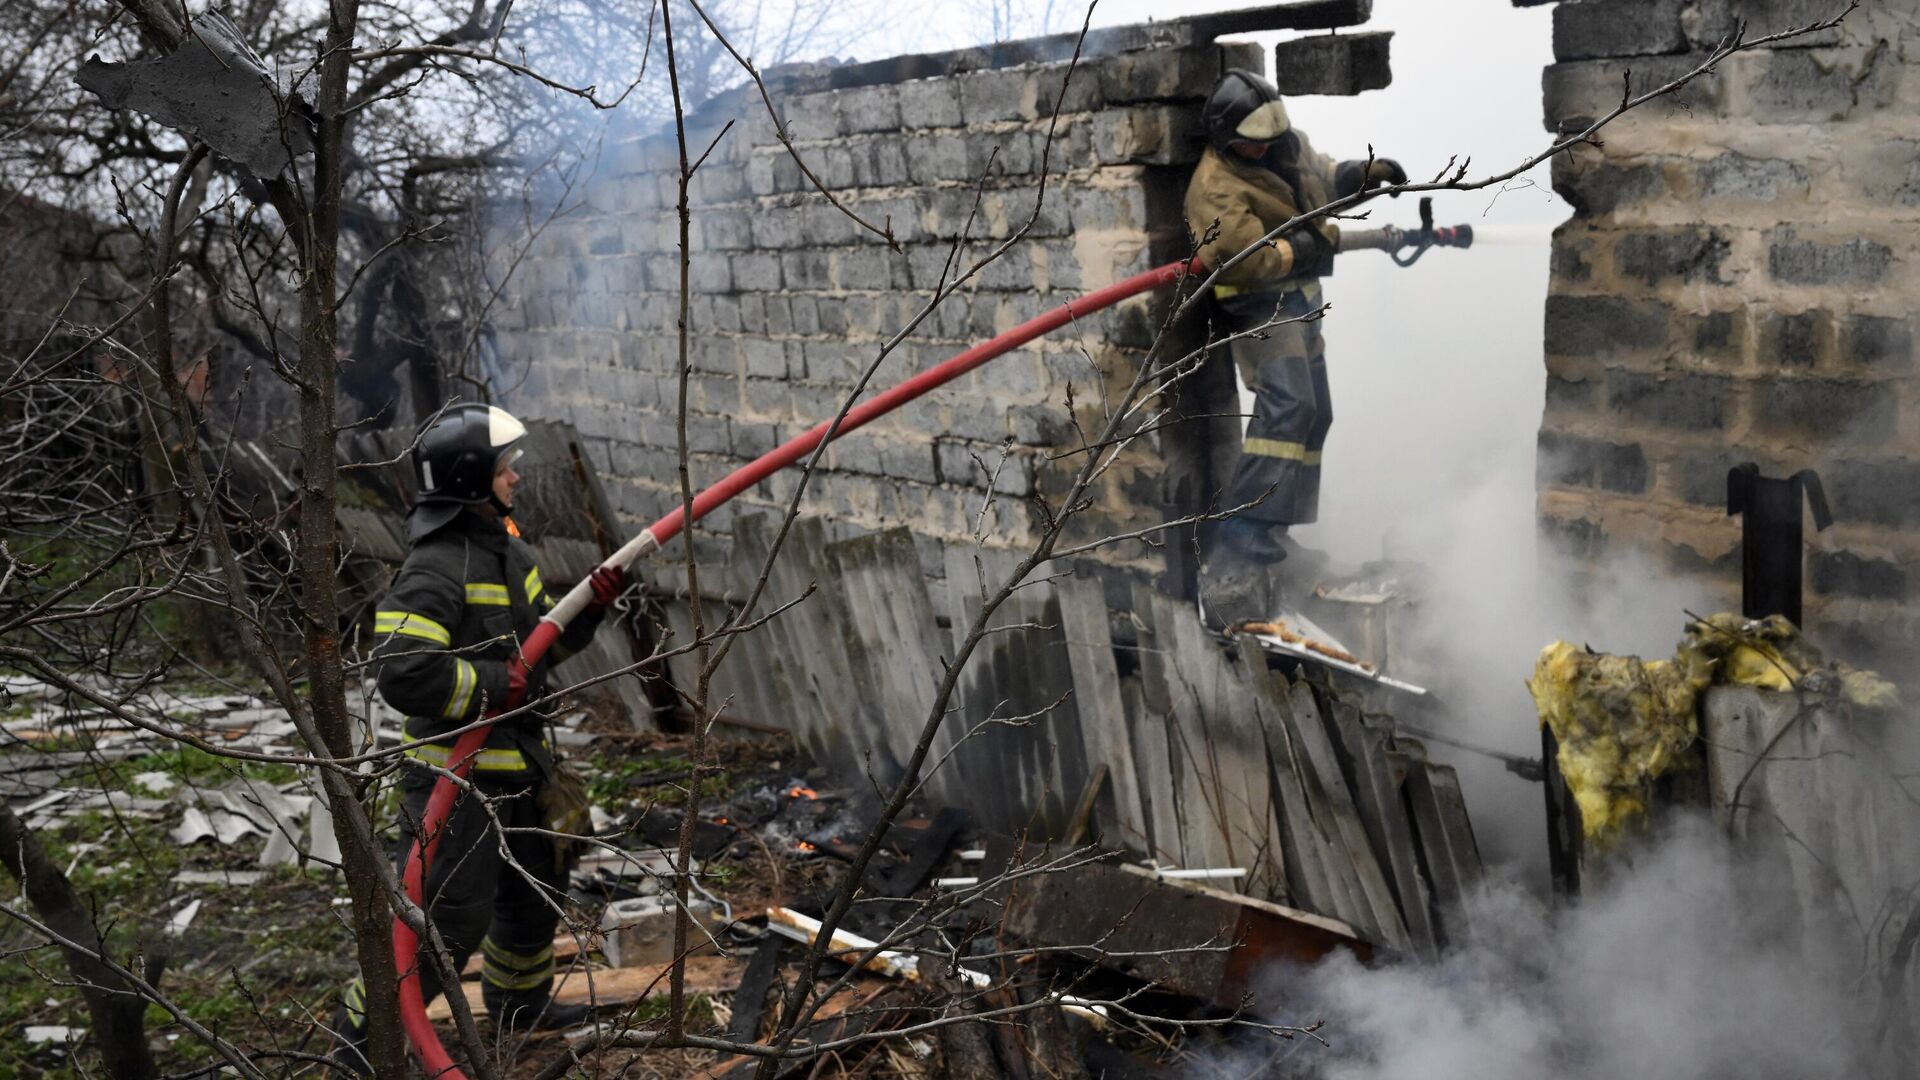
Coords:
pixel 1257 173
pixel 447 649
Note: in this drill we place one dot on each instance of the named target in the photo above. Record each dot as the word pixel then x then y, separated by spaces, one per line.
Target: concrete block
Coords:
pixel 1602 325
pixel 1571 260
pixel 710 273
pixel 1720 335
pixel 1148 135
pixel 1595 187
pixel 639 932
pixel 1593 29
pixel 806 270
pixel 1344 64
pixel 811 117
pixel 1797 86
pixel 1170 75
pixel 756 272
pixel 928 103
pixel 1814 262
pixel 1715 20
pixel 1828 411
pixel 1874 492
pixel 1578 92
pixel 1686 401
pixel 1565 395
pixel 861 268
pixel 1690 255
pixel 764 359
pixel 753 313
pixel 1575 461
pixel 1737 176
pixel 1843 573
pixel 988 97
pixel 1879 342
pixel 938 157
pixel 872 108
pixel 779 312
pixel 750 440
pixel 1796 340
pixel 1700 477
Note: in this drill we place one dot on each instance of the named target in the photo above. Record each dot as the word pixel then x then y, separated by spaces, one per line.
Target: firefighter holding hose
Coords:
pixel 447 649
pixel 1256 173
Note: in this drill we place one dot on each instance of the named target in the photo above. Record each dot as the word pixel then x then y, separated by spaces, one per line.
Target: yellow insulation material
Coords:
pixel 1622 722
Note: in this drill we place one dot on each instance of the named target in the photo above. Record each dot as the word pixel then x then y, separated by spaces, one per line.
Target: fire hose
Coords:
pixel 413 1009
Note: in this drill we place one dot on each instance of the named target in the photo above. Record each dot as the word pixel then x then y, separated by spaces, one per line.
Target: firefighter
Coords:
pixel 446 650
pixel 1256 173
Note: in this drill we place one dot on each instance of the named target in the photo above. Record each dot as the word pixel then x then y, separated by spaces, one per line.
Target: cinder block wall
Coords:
pixel 791 299
pixel 1738 283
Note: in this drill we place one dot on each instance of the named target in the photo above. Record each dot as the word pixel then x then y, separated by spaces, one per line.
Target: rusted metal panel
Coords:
pixel 1186 938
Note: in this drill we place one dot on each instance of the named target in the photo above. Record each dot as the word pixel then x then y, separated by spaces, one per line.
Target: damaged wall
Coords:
pixel 791 299
pixel 1736 284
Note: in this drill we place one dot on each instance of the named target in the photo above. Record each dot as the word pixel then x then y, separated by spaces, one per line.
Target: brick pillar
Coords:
pixel 1737 283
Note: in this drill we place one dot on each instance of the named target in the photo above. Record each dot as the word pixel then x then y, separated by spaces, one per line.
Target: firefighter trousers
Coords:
pixel 1279 462
pixel 476 900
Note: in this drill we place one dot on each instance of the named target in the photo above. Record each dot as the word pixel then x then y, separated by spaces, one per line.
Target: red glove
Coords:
pixel 518 677
pixel 608 583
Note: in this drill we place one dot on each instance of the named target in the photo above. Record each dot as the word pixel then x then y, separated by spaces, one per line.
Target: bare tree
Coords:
pixel 274 263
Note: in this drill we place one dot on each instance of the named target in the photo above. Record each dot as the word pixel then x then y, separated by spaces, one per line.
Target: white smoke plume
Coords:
pixel 1691 964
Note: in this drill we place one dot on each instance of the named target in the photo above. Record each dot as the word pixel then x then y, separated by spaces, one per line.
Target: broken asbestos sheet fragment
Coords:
pixel 214 88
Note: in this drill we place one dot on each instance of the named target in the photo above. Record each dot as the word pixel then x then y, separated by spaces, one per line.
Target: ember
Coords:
pixel 797 792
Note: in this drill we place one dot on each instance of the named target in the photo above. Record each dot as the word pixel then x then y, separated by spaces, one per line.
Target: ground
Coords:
pixel 262 965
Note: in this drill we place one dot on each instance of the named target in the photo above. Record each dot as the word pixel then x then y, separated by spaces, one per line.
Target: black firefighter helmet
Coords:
pixel 1244 108
pixel 454 463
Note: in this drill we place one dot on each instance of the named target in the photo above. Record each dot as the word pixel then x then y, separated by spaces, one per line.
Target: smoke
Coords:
pixel 1687 965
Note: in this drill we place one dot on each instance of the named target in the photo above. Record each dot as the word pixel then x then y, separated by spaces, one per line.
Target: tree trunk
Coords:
pixel 118 1010
pixel 318 551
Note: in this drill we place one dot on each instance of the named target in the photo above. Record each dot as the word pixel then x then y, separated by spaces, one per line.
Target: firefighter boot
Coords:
pixel 526 1012
pixel 1238 582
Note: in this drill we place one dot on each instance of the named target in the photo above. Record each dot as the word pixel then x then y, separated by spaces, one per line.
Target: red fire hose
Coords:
pixel 413 1010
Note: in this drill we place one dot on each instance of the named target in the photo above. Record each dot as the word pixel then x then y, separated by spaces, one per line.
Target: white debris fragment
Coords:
pixel 157 783
pixel 51 1033
pixel 323 844
pixel 183 918
pixel 229 827
pixel 219 877
pixel 194 827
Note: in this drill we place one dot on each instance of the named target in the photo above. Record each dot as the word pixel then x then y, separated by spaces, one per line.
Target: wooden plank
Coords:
pixel 807 642
pixel 1383 812
pixel 1312 872
pixel 1145 698
pixel 577 985
pixel 1088 628
pixel 975 773
pixel 1451 870
pixel 1345 822
pixel 1225 750
pixel 893 624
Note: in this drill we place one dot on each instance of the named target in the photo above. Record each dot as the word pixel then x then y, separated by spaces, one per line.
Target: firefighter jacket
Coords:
pixel 463 601
pixel 1249 199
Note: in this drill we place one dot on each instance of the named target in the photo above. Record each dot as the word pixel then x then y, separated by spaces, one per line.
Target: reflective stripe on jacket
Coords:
pixel 463 601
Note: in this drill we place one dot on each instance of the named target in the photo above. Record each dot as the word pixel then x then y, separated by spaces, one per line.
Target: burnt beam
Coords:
pixel 1187 938
pixel 1344 64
